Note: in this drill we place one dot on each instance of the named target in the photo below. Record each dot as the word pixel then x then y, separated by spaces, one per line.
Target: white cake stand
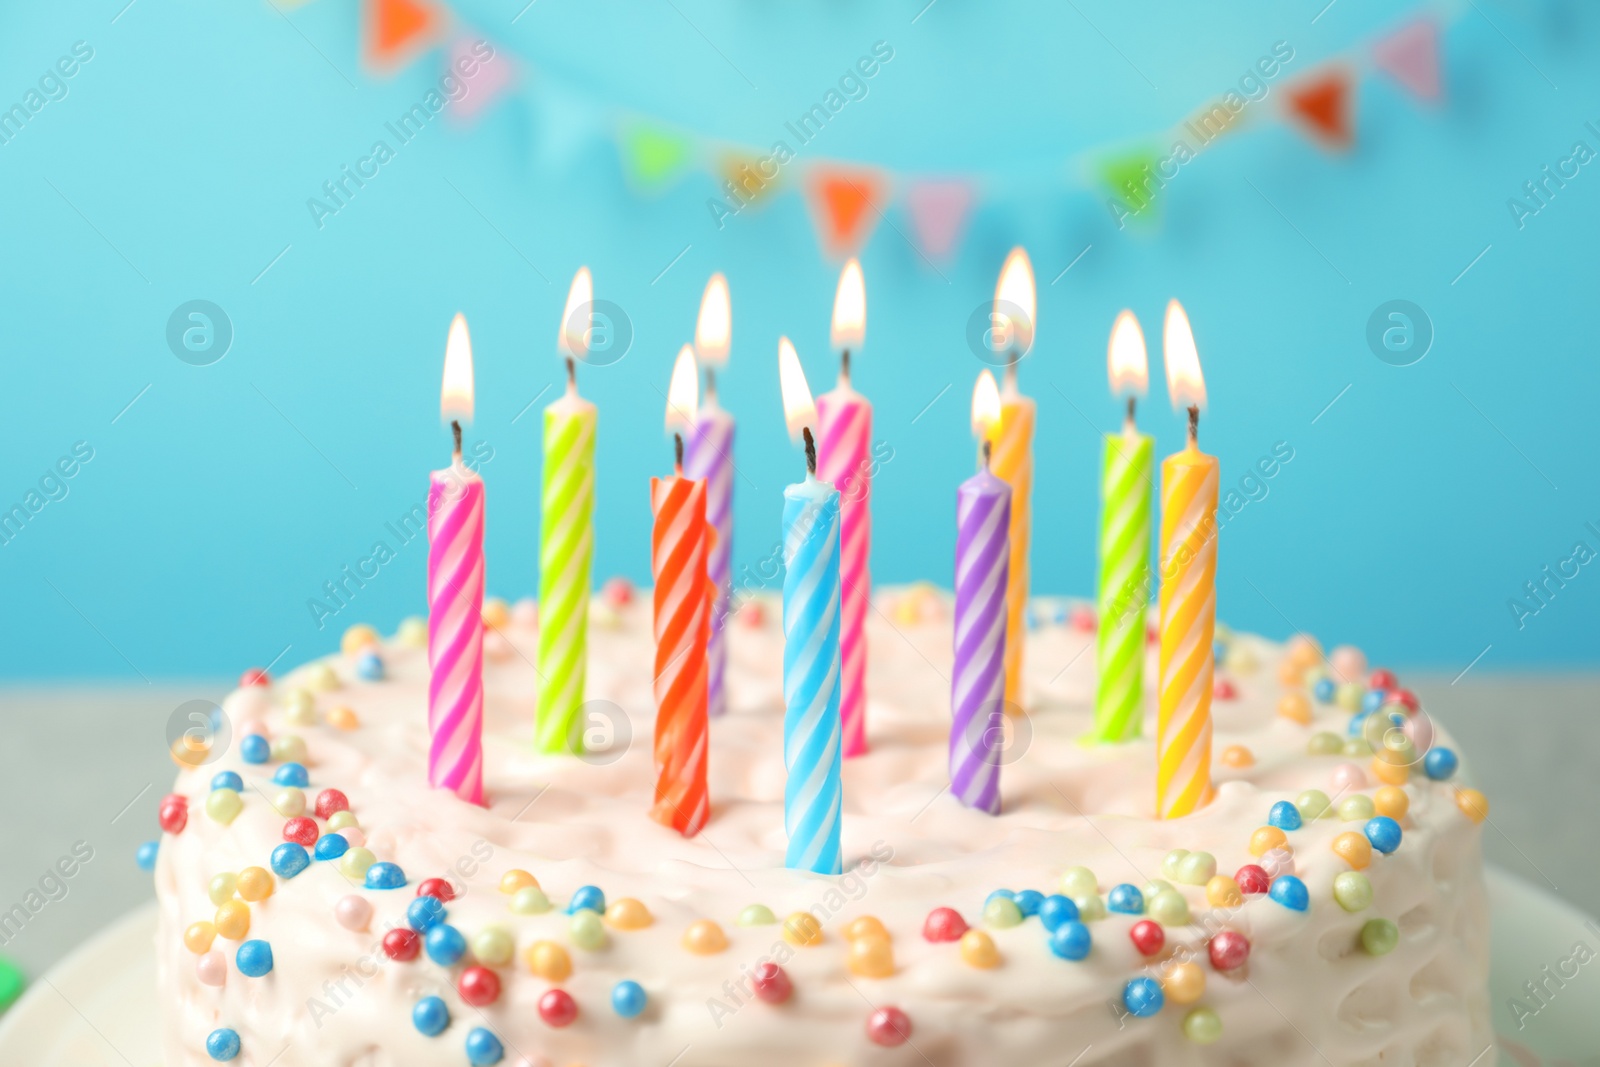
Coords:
pixel 98 1006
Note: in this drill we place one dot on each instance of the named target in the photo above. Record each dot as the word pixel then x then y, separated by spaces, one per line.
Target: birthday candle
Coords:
pixel 1124 588
pixel 566 541
pixel 455 596
pixel 1188 590
pixel 678 545
pixel 977 690
pixel 844 438
pixel 709 456
pixel 1011 440
pixel 813 794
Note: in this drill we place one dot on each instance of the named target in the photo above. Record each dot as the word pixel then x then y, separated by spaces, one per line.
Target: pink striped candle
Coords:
pixel 455 597
pixel 844 440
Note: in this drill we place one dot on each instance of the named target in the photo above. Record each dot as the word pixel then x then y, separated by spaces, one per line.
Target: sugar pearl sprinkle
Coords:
pixel 1382 757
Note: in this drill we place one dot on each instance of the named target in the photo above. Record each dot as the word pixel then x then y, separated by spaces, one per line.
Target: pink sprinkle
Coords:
pixel 212 969
pixel 752 615
pixel 1084 619
pixel 353 912
pixel 355 835
pixel 1348 662
pixel 1223 689
pixel 1348 777
pixel 618 592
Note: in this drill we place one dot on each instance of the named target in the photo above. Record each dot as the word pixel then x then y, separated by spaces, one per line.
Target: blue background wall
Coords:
pixel 179 164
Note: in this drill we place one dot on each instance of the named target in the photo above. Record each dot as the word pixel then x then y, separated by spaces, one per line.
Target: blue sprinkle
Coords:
pixel 331 846
pixel 146 856
pixel 1056 910
pixel 627 999
pixel 999 894
pixel 483 1048
pixel 222 1045
pixel 430 1016
pixel 1324 691
pixel 292 774
pixel 1440 763
pixel 1384 833
pixel 424 913
pixel 1071 940
pixel 1219 651
pixel 1143 997
pixel 370 667
pixel 1028 901
pixel 384 875
pixel 1358 723
pixel 253 748
pixel 1290 892
pixel 1373 699
pixel 588 897
pixel 444 944
pixel 289 859
pixel 1284 815
pixel 254 959
pixel 228 780
pixel 1125 899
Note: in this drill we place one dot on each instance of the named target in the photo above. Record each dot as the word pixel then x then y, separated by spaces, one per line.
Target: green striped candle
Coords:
pixel 566 547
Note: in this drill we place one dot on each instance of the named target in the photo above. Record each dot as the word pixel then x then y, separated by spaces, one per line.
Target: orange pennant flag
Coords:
pixel 395 31
pixel 846 204
pixel 1322 105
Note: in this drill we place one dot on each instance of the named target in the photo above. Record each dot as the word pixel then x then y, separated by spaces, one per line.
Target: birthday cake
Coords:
pixel 321 907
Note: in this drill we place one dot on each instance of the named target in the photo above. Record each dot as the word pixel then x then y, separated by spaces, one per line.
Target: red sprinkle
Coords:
pixel 330 801
pixel 1148 937
pixel 889 1027
pixel 479 986
pixel 255 676
pixel 173 813
pixel 944 924
pixel 618 592
pixel 1252 879
pixel 302 831
pixel 1223 689
pixel 1152 635
pixel 772 984
pixel 1382 678
pixel 401 944
pixel 1083 620
pixel 557 1008
pixel 1404 697
pixel 436 887
pixel 1229 949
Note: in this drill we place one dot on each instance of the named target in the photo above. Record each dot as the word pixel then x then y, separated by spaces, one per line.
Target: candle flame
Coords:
pixel 577 318
pixel 683 394
pixel 799 410
pixel 455 395
pixel 985 405
pixel 1015 303
pixel 713 331
pixel 1127 365
pixel 1185 383
pixel 849 327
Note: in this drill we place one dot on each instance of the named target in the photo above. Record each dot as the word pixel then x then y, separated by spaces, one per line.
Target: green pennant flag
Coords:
pixel 652 155
pixel 1134 184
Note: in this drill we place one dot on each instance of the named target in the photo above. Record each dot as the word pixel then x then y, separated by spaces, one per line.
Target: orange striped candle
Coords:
pixel 1189 481
pixel 1011 449
pixel 678 548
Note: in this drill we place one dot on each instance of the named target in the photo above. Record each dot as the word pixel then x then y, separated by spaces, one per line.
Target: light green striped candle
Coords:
pixel 566 547
pixel 1125 585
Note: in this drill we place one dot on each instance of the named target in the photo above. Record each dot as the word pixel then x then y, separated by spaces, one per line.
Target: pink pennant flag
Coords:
pixel 938 212
pixel 1410 56
pixel 484 72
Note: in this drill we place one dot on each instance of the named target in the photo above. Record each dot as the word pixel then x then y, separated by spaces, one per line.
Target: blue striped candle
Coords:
pixel 813 796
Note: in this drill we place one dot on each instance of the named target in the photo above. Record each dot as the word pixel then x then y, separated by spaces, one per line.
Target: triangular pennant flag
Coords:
pixel 395 31
pixel 938 211
pixel 1322 105
pixel 652 155
pixel 846 206
pixel 1134 185
pixel 485 71
pixel 748 176
pixel 1410 56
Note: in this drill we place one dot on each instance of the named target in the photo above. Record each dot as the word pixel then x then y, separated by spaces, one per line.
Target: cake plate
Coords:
pixel 97 1007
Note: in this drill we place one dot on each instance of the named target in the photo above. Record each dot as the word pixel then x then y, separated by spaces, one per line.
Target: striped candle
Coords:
pixel 977 731
pixel 813 795
pixel 1011 439
pixel 844 425
pixel 566 545
pixel 1124 588
pixel 678 552
pixel 709 457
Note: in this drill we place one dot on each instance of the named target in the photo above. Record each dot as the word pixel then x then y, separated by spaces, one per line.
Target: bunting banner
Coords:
pixel 394 32
pixel 653 156
pixel 749 178
pixel 1132 178
pixel 1321 104
pixel 1410 56
pixel 846 203
pixel 487 72
pixel 939 210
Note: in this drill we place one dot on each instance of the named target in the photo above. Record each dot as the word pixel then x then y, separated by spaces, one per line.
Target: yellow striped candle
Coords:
pixel 1011 445
pixel 1189 481
pixel 566 543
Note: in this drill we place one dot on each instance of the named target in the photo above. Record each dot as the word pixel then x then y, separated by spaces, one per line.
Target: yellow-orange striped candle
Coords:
pixel 1189 481
pixel 1011 448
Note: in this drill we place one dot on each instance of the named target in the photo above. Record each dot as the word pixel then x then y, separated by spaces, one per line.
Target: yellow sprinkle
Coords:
pixel 1390 773
pixel 1473 804
pixel 864 926
pixel 626 913
pixel 1223 892
pixel 496 613
pixel 233 920
pixel 1238 756
pixel 198 937
pixel 342 718
pixel 1266 839
pixel 255 883
pixel 1391 801
pixel 871 957
pixel 1354 849
pixel 802 928
pixel 704 938
pixel 977 950
pixel 548 960
pixel 358 637
pixel 1184 983
pixel 1295 706
pixel 516 879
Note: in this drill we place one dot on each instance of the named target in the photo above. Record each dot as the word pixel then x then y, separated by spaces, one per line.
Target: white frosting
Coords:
pixel 1308 995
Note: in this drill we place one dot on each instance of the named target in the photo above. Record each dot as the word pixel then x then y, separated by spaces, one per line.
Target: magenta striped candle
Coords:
pixel 844 439
pixel 455 630
pixel 978 686
pixel 708 455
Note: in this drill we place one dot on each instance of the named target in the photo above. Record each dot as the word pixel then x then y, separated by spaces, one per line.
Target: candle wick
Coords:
pixel 1128 423
pixel 677 452
pixel 811 451
pixel 711 383
pixel 1194 425
pixel 844 367
pixel 455 432
pixel 988 446
pixel 572 375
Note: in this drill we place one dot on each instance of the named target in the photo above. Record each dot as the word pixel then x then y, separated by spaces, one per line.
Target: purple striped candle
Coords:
pixel 977 691
pixel 708 455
